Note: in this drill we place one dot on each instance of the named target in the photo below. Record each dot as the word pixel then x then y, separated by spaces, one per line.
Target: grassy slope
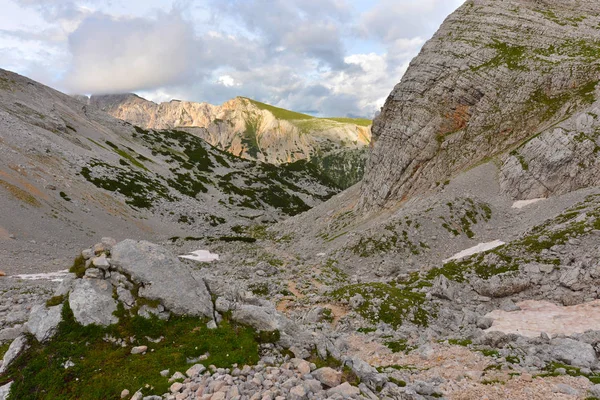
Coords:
pixel 102 370
pixel 287 115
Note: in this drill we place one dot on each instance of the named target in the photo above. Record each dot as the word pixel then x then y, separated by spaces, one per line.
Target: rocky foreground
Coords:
pixel 306 355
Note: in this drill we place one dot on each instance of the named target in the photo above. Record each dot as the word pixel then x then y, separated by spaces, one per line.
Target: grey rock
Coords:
pixel 94 273
pixel 125 297
pixel 92 303
pixel 269 319
pixel 570 278
pixel 443 288
pixel 509 306
pixel 345 389
pixel 594 391
pixel 11 333
pixel 5 391
pixel 139 349
pixel 573 352
pixel 328 376
pixel 366 373
pixel 43 322
pixel 16 347
pixel 101 262
pixel 484 323
pixel 163 277
pixel 501 286
pixel 565 389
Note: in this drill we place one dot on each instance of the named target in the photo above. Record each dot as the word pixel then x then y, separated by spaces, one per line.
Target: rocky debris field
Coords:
pixel 311 332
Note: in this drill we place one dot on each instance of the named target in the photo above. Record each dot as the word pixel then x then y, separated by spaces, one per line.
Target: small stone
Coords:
pixel 139 349
pixel 137 396
pixel 176 376
pixel 101 262
pixel 87 254
pixel 124 393
pixel 99 248
pixel 212 325
pixel 345 389
pixel 2 273
pixel 303 367
pixel 328 376
pixel 176 387
pixel 484 323
pixel 94 273
pixel 195 370
pixel 297 393
pixel 164 372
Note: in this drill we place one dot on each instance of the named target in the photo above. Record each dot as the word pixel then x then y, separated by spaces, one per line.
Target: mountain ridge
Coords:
pixel 243 126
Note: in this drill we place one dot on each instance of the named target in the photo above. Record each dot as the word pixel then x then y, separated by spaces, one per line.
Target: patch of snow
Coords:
pixel 524 203
pixel 480 248
pixel 536 317
pixel 50 276
pixel 201 256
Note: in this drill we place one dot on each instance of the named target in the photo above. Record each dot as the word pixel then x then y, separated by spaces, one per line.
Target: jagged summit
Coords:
pixel 509 81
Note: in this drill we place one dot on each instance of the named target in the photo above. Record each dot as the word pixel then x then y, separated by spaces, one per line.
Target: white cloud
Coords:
pixel 328 57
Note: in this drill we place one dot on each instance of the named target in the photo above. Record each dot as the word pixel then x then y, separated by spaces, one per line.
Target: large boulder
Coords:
pixel 92 302
pixel 5 391
pixel 162 277
pixel 366 373
pixel 44 321
pixel 16 347
pixel 573 352
pixel 269 319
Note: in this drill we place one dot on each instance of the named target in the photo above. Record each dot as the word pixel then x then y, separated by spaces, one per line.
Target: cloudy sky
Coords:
pixel 325 57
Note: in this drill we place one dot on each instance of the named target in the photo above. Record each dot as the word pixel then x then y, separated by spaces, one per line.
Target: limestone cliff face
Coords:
pixel 242 126
pixel 512 81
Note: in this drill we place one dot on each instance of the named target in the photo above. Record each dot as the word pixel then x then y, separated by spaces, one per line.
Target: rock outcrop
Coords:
pixel 511 80
pixel 162 277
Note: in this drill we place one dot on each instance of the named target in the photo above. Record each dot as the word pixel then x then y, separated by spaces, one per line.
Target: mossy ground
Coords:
pixel 396 305
pixel 102 370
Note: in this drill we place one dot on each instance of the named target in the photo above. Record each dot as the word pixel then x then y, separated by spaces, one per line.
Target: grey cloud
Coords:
pixel 305 27
pixel 390 20
pixel 115 55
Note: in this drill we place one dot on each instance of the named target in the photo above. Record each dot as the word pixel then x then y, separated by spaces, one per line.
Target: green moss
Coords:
pixel 78 267
pixel 140 190
pixel 244 239
pixel 460 342
pixel 260 289
pixel 102 370
pixel 506 54
pixel 521 159
pixel 64 196
pixel 398 382
pixel 399 346
pixel 395 305
pixel 55 301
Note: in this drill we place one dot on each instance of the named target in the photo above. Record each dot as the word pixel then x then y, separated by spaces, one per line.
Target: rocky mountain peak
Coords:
pixel 500 80
pixel 247 128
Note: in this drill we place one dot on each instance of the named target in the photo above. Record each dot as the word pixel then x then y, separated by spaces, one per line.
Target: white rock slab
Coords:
pixel 50 276
pixel 524 203
pixel 480 248
pixel 201 256
pixel 536 317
